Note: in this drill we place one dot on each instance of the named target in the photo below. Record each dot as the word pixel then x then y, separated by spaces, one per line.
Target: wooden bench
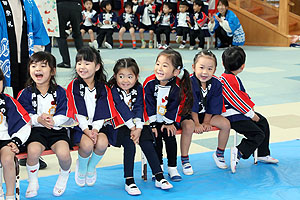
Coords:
pixel 144 159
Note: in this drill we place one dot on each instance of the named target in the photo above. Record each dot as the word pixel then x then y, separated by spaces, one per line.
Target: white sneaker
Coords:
pixel 132 189
pixel 32 189
pixel 143 45
pixel 178 39
pixel 163 184
pixel 159 46
pixel 61 184
pixel 233 158
pixel 267 159
pixel 220 161
pixel 199 49
pixel 165 46
pixel 182 46
pixel 91 44
pixel 95 44
pixel 191 48
pixel 174 175
pixel 187 169
pixel 79 178
pixel 90 178
pixel 107 45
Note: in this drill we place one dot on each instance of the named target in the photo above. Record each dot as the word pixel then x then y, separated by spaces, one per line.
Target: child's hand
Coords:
pixel 255 118
pixel 218 18
pixel 206 126
pixel 135 135
pixel 171 129
pixel 159 13
pixel 173 31
pixel 91 135
pixel 211 19
pixel 46 120
pixel 106 22
pixel 90 19
pixel 199 129
pixel 83 17
pixel 195 18
pixel 154 130
pixel 13 147
pixel 188 18
pixel 95 134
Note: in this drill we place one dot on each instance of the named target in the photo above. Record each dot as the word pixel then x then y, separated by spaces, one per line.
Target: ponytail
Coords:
pixel 186 93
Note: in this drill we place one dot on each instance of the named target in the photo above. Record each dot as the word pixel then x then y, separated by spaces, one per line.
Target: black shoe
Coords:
pixel 63 65
pixel 43 165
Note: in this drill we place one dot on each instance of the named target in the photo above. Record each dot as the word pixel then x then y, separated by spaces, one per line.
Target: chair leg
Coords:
pixel 255 156
pixel 17 178
pixel 1 182
pixel 144 166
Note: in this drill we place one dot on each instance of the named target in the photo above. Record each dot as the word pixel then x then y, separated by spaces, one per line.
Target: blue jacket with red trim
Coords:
pixel 237 102
pixel 173 106
pixel 214 97
pixel 15 123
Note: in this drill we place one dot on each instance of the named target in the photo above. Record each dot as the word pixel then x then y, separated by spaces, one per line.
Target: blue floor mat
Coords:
pixel 257 182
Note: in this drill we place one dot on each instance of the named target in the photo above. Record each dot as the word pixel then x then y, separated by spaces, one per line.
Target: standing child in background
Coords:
pixel 90 99
pixel 167 98
pixel 164 22
pixel 128 98
pixel 128 22
pixel 87 25
pixel 147 19
pixel 240 112
pixel 14 131
pixel 199 18
pixel 107 22
pixel 227 27
pixel 182 24
pixel 208 104
pixel 47 104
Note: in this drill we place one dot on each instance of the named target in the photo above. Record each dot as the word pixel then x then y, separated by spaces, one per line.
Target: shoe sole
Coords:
pixel 233 169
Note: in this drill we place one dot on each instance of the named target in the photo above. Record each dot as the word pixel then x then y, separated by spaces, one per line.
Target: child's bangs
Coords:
pixel 85 54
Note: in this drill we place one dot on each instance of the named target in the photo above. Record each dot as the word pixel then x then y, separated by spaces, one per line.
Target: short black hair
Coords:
pixel 233 58
pixel 199 3
pixel 168 4
pixel 128 3
pixel 224 2
pixel 105 3
pixel 184 3
pixel 87 0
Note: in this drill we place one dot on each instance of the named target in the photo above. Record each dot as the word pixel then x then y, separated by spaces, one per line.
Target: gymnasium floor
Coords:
pixel 271 77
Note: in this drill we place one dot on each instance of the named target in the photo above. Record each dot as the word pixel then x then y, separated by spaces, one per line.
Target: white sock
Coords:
pixel 10 197
pixel 33 172
pixel 65 173
pixel 93 162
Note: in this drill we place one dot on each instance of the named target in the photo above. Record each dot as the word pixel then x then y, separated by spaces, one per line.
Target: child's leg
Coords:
pixel 141 32
pixel 91 34
pixel 159 30
pixel 132 34
pixel 159 146
pixel 167 33
pixel 193 36
pixel 121 33
pixel 62 151
pixel 82 32
pixel 100 37
pixel 188 127
pixel 171 149
pixel 224 125
pixel 99 150
pixel 149 151
pixel 263 148
pixel 86 147
pixel 109 37
pixel 201 39
pixel 128 162
pixel 34 150
pixel 9 171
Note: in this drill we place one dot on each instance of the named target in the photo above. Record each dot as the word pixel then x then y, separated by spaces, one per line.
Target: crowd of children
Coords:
pixel 131 114
pixel 185 18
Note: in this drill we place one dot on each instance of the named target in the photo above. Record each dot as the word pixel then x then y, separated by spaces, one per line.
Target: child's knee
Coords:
pixel 7 160
pixel 64 156
pixel 33 152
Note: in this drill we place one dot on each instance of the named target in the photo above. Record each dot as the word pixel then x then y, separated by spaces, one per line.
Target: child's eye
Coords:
pixel 130 77
pixel 210 69
pixel 32 66
pixel 121 76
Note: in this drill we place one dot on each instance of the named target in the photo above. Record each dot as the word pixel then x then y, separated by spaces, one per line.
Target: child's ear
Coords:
pixel 242 67
pixel 53 72
pixel 97 67
pixel 176 72
pixel 193 66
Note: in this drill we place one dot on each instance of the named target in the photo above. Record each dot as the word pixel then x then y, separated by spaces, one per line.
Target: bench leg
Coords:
pixel 144 166
pixel 1 182
pixel 17 178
